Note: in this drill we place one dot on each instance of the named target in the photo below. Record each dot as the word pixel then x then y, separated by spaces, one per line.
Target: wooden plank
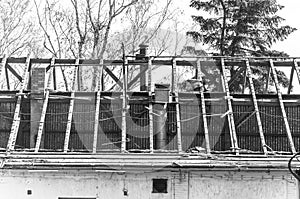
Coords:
pixel 256 109
pixel 297 69
pixel 98 102
pixel 44 110
pixel 71 108
pixel 268 81
pixel 245 81
pixel 238 72
pixel 16 119
pixel 124 104
pixel 279 95
pixel 7 78
pixel 14 72
pixel 291 80
pixel 151 125
pixel 137 77
pixel 230 111
pixel 175 91
pixel 112 75
pixel 203 108
pixel 2 65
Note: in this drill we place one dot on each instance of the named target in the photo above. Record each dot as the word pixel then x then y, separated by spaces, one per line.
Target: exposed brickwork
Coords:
pixel 38 76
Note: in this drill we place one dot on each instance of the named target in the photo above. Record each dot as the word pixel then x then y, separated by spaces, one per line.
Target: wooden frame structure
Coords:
pixel 223 63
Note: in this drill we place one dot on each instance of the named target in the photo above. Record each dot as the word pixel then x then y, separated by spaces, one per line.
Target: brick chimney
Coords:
pixel 38 78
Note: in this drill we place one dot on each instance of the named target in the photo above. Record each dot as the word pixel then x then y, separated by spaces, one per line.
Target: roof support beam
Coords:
pixel 279 95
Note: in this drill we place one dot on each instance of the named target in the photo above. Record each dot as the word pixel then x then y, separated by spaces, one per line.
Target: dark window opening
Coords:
pixel 160 186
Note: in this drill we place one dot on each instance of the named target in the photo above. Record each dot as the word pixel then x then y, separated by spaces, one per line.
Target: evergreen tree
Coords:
pixel 242 27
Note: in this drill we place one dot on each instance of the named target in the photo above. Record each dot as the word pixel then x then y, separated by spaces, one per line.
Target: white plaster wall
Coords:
pixel 181 185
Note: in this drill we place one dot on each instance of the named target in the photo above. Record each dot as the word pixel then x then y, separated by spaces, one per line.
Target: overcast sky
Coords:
pixel 291 13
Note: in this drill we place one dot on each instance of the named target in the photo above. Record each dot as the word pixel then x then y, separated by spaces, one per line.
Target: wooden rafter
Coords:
pixel 98 101
pixel 230 111
pixel 291 79
pixel 256 110
pixel 71 108
pixel 175 91
pixel 238 72
pixel 151 125
pixel 112 75
pixel 297 69
pixel 203 108
pixel 44 110
pixel 284 116
pixel 16 119
pixel 137 77
pixel 14 72
pixel 2 65
pixel 124 105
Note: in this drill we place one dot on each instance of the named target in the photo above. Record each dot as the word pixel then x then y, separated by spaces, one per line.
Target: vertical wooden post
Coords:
pixel 256 109
pixel 232 130
pixel 124 104
pixel 151 126
pixel 98 102
pixel 203 108
pixel 175 90
pixel 71 108
pixel 279 95
pixel 16 119
pixel 44 109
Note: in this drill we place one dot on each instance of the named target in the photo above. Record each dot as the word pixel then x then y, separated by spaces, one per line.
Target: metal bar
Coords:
pixel 291 80
pixel 151 126
pixel 16 119
pixel 44 110
pixel 124 105
pixel 175 90
pixel 256 109
pixel 279 95
pixel 71 108
pixel 98 102
pixel 203 108
pixel 230 111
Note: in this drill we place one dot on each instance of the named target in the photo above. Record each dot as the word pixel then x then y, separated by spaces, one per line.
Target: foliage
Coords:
pixel 241 27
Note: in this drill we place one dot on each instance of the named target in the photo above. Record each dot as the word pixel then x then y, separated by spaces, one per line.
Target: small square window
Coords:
pixel 160 186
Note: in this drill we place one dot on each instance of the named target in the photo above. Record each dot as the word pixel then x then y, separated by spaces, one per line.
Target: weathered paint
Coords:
pixel 14 184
